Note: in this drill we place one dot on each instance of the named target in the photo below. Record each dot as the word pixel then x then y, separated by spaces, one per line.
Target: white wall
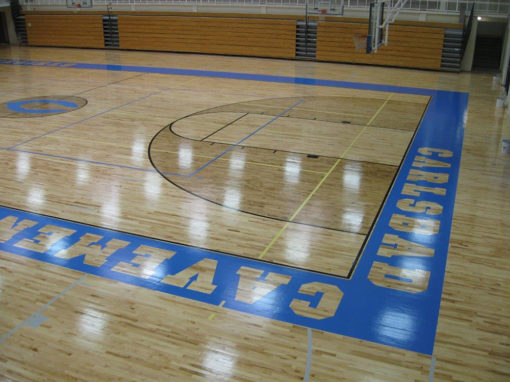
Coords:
pixel 469 53
pixel 505 55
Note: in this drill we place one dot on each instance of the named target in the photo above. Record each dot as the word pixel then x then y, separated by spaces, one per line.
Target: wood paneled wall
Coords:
pixel 219 35
pixel 408 46
pixel 82 31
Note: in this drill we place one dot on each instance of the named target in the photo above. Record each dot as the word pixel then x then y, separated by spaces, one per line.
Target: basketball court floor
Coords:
pixel 178 217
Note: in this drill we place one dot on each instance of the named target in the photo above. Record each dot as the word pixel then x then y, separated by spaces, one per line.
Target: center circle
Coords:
pixel 40 106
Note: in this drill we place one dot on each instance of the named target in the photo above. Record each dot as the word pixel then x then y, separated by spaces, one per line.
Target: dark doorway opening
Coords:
pixel 4 37
pixel 489 46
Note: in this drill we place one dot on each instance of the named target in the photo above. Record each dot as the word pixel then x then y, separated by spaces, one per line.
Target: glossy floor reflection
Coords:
pixel 289 159
pixel 92 165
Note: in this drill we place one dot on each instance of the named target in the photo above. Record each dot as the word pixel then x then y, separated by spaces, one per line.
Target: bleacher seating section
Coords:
pixel 81 31
pixel 411 44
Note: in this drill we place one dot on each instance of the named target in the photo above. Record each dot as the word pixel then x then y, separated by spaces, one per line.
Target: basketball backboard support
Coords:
pixel 327 7
pixel 79 3
pixel 382 13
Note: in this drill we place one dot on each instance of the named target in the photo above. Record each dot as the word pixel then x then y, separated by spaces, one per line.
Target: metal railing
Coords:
pixel 482 7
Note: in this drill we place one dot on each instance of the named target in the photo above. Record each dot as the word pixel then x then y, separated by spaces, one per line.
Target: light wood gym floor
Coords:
pixel 302 192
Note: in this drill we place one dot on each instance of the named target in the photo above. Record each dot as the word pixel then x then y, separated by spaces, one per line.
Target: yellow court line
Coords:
pixel 280 232
pixel 379 110
pixel 211 316
pixel 276 237
pixel 263 253
pixel 315 189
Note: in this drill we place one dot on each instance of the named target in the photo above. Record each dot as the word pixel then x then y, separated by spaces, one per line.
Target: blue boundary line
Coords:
pixel 253 77
pixel 371 309
pixel 228 75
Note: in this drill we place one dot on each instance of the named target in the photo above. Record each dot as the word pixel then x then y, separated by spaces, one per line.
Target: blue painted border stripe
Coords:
pixel 367 311
pixel 253 77
pixel 228 75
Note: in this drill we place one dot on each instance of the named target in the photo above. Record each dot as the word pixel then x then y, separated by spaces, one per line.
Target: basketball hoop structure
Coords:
pixel 360 42
pixel 382 14
pixel 78 4
pixel 322 8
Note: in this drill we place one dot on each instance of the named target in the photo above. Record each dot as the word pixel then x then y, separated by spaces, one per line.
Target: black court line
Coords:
pixel 165 176
pixel 221 128
pixel 349 274
pixel 370 230
pixel 267 261
pixel 341 122
pixel 176 242
pixel 211 111
pixel 256 214
pixel 376 216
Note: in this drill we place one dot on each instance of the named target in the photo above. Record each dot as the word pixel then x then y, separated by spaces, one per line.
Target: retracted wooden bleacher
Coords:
pixel 80 31
pixel 411 44
pixel 218 35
